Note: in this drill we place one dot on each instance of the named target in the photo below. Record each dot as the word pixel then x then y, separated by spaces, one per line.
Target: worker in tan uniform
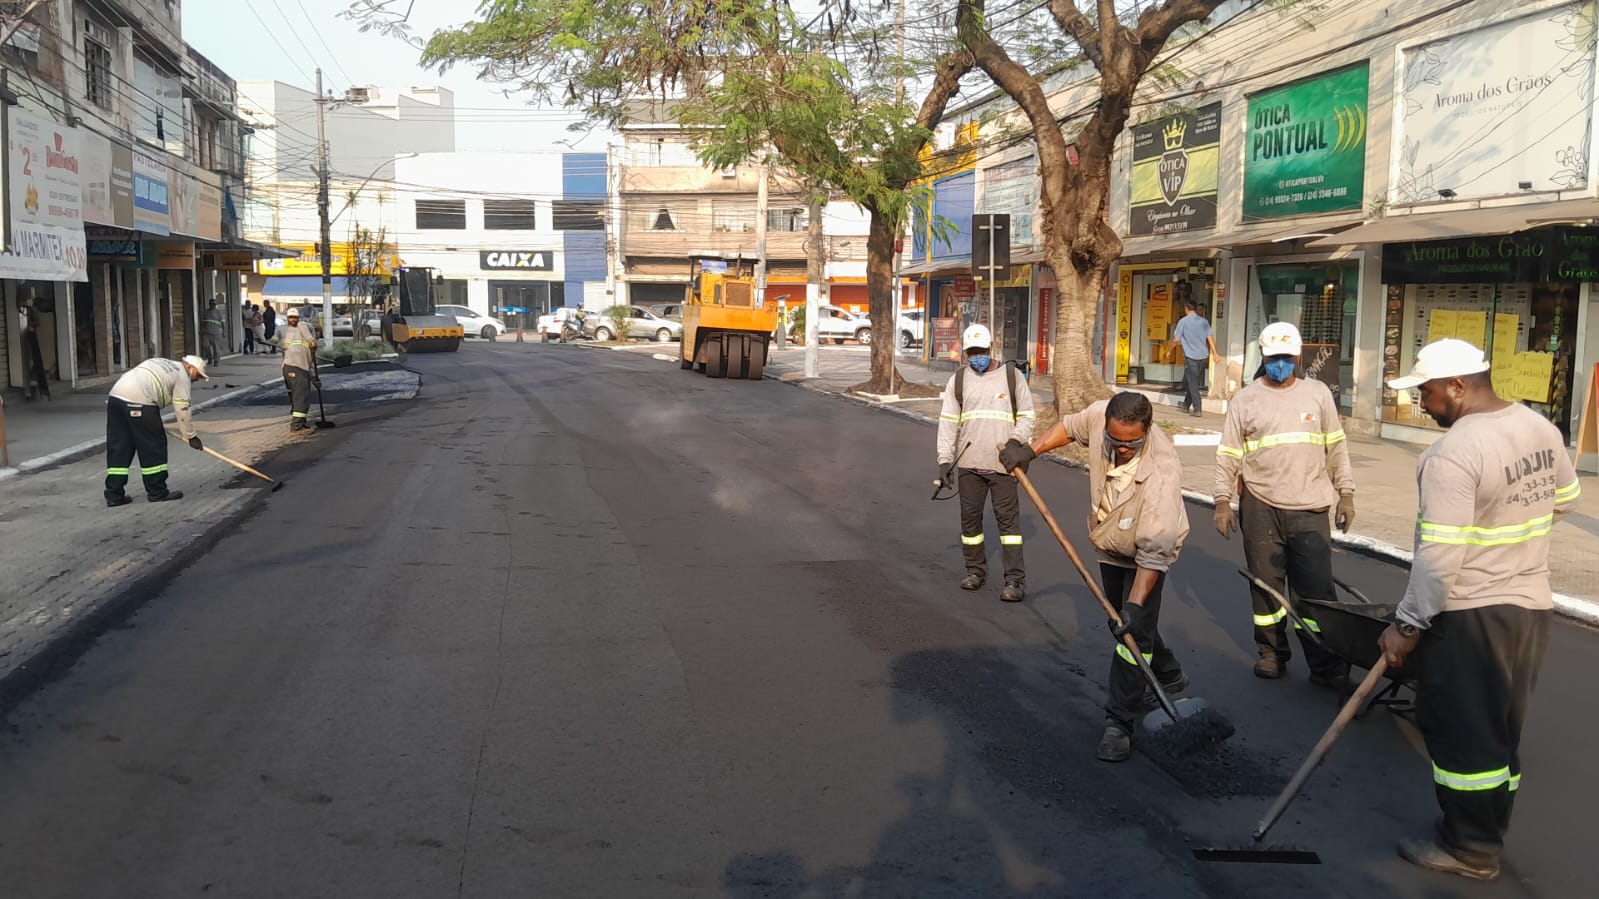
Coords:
pixel 133 425
pixel 1283 454
pixel 1479 591
pixel 1138 523
pixel 299 369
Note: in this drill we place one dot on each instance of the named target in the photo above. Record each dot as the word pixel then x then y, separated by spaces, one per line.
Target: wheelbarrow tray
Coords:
pixel 1350 630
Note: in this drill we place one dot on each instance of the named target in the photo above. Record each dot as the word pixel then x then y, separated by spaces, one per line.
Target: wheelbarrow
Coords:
pixel 1350 630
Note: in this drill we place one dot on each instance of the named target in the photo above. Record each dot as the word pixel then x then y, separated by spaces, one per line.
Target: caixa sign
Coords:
pixel 517 260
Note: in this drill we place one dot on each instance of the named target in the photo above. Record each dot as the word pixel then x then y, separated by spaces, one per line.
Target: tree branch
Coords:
pixel 1011 77
pixel 1110 29
pixel 1072 21
pixel 947 75
pixel 1155 25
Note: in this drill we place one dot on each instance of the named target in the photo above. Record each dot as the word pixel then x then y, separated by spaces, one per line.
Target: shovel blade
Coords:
pixel 1198 727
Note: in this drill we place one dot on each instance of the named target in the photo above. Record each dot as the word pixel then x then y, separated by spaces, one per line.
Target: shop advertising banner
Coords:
pixel 152 212
pixel 1176 162
pixel 183 198
pixel 1499 110
pixel 46 239
pixel 94 172
pixel 1012 189
pixel 1560 254
pixel 208 206
pixel 1306 147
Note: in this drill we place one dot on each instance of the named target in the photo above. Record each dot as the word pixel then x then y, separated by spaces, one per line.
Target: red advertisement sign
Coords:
pixel 947 339
pixel 1046 334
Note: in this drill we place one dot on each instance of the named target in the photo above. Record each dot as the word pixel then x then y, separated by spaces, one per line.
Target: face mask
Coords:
pixel 1279 370
pixel 979 364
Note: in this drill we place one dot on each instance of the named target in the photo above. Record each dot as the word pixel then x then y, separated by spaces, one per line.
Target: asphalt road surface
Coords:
pixel 579 624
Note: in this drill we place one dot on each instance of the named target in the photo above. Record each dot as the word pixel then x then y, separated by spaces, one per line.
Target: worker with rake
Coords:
pixel 1138 523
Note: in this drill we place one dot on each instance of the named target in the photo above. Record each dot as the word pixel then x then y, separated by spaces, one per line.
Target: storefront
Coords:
pixel 1516 297
pixel 1150 298
pixel 1320 297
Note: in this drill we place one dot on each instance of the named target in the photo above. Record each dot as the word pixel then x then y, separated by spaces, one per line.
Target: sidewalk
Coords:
pixel 43 433
pixel 1385 472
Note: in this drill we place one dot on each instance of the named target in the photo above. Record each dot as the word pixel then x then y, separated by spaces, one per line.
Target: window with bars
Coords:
pixel 97 74
pixel 788 220
pixel 733 220
pixel 441 215
pixel 510 215
pixel 579 215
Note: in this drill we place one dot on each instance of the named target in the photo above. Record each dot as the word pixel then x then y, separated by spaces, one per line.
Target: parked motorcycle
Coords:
pixel 572 328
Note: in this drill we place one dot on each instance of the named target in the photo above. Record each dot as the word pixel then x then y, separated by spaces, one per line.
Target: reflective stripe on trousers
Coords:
pixel 1475 781
pixel 972 541
pixel 1127 655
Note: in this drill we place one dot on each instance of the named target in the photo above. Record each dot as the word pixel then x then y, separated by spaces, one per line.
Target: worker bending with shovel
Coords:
pixel 1283 454
pixel 1478 601
pixel 133 425
pixel 298 343
pixel 1137 521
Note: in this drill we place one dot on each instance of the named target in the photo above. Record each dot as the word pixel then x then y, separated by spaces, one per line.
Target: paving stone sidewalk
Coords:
pixel 1385 497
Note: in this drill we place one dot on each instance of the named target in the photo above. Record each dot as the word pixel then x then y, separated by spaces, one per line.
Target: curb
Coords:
pixel 1585 611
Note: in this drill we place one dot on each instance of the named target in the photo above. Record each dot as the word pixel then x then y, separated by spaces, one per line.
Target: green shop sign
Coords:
pixel 1307 147
pixel 1544 256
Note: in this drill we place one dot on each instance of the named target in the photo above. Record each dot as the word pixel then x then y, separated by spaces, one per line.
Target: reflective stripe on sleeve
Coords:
pixel 1568 493
pixel 1229 451
pixel 1127 655
pixel 1475 781
pixel 1471 535
pixel 951 418
pixel 988 415
pixel 1295 438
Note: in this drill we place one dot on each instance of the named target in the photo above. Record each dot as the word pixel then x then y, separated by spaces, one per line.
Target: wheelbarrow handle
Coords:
pixel 1282 603
pixel 1351 590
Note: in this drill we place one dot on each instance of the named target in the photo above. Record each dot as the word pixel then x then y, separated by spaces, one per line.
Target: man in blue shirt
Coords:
pixel 1199 346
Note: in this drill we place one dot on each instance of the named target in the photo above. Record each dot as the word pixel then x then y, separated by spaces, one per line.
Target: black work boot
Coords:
pixel 1116 745
pixel 1013 592
pixel 166 497
pixel 121 499
pixel 1427 853
pixel 1269 667
pixel 973 580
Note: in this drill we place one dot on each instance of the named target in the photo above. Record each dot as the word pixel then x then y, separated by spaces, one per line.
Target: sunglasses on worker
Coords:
pixel 1113 443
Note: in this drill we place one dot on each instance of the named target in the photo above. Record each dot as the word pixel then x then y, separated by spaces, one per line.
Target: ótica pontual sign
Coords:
pixel 1306 147
pixel 517 260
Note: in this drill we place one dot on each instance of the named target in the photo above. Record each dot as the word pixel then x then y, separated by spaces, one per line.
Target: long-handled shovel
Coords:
pixel 1282 603
pixel 276 484
pixel 342 360
pixel 1299 856
pixel 1177 728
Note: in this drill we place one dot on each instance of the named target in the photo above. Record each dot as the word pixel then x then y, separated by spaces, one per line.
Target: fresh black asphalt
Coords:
pixel 577 623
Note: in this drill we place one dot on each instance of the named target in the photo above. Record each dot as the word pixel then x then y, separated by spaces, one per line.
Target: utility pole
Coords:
pixel 815 275
pixel 760 237
pixel 322 208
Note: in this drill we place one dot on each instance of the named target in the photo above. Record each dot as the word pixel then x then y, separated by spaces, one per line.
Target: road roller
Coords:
pixel 727 327
pixel 412 321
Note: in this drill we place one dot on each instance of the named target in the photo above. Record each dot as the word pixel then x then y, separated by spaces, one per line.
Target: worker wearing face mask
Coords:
pixel 1283 455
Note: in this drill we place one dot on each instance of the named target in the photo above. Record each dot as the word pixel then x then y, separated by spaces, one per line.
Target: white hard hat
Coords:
pixel 1448 358
pixel 292 312
pixel 199 366
pixel 977 337
pixel 1280 339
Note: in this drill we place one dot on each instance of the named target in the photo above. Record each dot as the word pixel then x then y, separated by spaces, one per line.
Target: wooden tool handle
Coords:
pixel 235 463
pixel 1345 715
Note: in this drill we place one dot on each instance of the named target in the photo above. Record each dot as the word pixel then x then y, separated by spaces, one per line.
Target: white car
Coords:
pixel 549 324
pixel 839 325
pixel 912 328
pixel 475 323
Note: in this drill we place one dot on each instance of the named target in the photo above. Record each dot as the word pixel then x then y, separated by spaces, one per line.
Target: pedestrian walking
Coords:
pixel 133 425
pixel 1478 602
pixel 36 376
pixel 298 345
pixel 1198 343
pixel 212 325
pixel 269 323
pixel 247 320
pixel 1137 521
pixel 1284 456
pixel 258 323
pixel 985 406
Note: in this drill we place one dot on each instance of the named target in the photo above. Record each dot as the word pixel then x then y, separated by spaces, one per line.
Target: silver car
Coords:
pixel 642 324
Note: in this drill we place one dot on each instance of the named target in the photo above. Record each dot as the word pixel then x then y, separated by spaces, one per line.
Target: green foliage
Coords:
pixel 618 317
pixel 360 350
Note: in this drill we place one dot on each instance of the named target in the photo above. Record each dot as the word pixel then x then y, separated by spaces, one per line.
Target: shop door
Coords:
pixel 83 319
pixel 1014 321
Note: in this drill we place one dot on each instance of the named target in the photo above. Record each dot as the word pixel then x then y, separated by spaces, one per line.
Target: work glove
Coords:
pixel 1016 454
pixel 1226 523
pixel 1133 617
pixel 946 474
pixel 1344 517
pixel 194 442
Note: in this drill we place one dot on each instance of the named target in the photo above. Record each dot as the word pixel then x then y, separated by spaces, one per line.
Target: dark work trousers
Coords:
pixel 1125 702
pixel 1283 548
pixel 298 381
pixel 1472 690
pixel 1193 379
pixel 975 488
pixel 133 429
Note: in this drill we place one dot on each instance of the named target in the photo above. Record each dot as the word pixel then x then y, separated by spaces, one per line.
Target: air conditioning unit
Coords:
pixel 728 172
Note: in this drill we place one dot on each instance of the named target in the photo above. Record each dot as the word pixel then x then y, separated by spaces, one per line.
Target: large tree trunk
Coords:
pixel 884 306
pixel 1075 374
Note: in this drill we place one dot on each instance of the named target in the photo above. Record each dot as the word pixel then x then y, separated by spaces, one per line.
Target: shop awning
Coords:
pixel 938 267
pixel 1464 223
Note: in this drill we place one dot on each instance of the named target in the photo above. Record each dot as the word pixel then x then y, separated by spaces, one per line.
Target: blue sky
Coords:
pixel 255 40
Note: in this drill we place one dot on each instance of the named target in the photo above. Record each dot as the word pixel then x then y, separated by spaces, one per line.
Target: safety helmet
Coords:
pixel 199 366
pixel 976 337
pixel 1280 339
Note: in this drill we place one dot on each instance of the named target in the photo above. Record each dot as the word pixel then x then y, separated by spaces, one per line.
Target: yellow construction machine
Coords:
pixel 726 327
pixel 412 321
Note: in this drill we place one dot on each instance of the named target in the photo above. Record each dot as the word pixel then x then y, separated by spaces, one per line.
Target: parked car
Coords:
pixel 642 324
pixel 912 328
pixel 475 323
pixel 673 311
pixel 343 324
pixel 549 324
pixel 838 325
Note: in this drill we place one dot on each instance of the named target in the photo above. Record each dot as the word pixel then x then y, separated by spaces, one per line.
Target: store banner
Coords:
pixel 1499 110
pixel 208 206
pixel 1176 164
pixel 94 171
pixel 152 211
pixel 1306 147
pixel 174 254
pixel 183 192
pixel 46 239
pixel 1012 189
pixel 1562 254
